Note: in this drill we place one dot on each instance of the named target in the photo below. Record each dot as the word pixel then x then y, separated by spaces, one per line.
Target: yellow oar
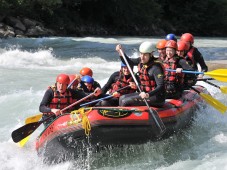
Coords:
pixel 28 120
pixel 212 101
pixel 219 74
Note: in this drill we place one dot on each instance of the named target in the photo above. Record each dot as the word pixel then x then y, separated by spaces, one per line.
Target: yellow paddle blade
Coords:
pixel 223 89
pixel 28 120
pixel 34 118
pixel 219 74
pixel 214 102
pixel 24 141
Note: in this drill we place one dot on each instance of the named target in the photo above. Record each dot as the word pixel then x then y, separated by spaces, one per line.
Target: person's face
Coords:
pixel 125 70
pixel 162 52
pixel 89 86
pixel 144 57
pixel 170 52
pixel 61 87
pixel 180 53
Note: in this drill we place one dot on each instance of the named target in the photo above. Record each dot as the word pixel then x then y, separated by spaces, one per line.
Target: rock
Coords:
pixel 29 23
pixel 16 23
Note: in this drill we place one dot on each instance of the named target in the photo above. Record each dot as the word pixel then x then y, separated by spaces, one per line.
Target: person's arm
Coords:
pixel 157 72
pixel 109 83
pixel 199 59
pixel 96 84
pixel 47 98
pixel 184 65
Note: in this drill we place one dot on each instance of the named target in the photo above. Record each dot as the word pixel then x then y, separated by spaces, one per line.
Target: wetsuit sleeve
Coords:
pixel 111 80
pixel 184 65
pixel 96 84
pixel 157 72
pixel 78 94
pixel 47 98
pixel 199 59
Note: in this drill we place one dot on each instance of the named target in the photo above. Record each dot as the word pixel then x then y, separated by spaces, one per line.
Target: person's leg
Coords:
pixel 134 99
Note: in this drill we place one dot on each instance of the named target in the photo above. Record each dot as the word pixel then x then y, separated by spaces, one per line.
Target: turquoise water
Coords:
pixel 29 66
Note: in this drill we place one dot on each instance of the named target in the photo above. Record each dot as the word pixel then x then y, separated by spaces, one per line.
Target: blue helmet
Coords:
pixel 87 79
pixel 122 64
pixel 171 37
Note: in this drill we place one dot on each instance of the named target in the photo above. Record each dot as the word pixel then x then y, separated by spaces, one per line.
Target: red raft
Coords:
pixel 115 125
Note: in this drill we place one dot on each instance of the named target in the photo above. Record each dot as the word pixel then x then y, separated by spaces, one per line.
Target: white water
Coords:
pixel 29 66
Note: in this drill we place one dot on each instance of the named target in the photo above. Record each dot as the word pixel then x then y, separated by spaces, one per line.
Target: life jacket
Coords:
pixel 147 83
pixel 173 77
pixel 190 57
pixel 61 101
pixel 111 90
pixel 122 82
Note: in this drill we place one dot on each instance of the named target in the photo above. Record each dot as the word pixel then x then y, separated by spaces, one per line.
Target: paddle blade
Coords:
pixel 223 89
pixel 24 141
pixel 34 118
pixel 214 102
pixel 219 74
pixel 24 131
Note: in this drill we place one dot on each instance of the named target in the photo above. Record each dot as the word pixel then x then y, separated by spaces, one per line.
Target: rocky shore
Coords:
pixel 22 27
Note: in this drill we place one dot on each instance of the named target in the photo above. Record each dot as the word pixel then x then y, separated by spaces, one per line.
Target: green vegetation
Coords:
pixel 124 17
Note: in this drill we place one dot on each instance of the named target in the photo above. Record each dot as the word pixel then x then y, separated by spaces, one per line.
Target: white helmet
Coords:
pixel 146 47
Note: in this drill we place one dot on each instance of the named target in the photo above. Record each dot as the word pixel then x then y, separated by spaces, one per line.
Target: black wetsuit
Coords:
pixel 198 58
pixel 112 101
pixel 156 96
pixel 47 98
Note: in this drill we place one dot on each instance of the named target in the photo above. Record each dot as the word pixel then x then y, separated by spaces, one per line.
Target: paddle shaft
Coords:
pixel 70 84
pixel 154 115
pixel 212 84
pixel 205 79
pixel 186 71
pixel 107 97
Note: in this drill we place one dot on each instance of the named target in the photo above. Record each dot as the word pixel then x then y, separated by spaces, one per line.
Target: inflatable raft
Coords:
pixel 100 126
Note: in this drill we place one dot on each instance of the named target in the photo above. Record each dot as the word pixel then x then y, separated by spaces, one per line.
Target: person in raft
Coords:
pixel 174 81
pixel 193 55
pixel 151 77
pixel 58 97
pixel 120 80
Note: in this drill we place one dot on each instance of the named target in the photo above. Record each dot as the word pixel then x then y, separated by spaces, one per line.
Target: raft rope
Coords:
pixel 80 116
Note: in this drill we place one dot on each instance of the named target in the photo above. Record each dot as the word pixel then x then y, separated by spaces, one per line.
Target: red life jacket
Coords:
pixel 122 82
pixel 61 101
pixel 190 57
pixel 146 83
pixel 173 77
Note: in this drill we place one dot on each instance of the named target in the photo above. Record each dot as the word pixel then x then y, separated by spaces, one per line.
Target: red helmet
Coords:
pixel 171 44
pixel 71 78
pixel 63 79
pixel 161 44
pixel 187 37
pixel 181 46
pixel 86 71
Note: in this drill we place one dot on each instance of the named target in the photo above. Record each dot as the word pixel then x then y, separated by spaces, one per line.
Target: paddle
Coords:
pixel 219 74
pixel 107 97
pixel 30 120
pixel 222 88
pixel 26 130
pixel 70 84
pixel 156 121
pixel 212 101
